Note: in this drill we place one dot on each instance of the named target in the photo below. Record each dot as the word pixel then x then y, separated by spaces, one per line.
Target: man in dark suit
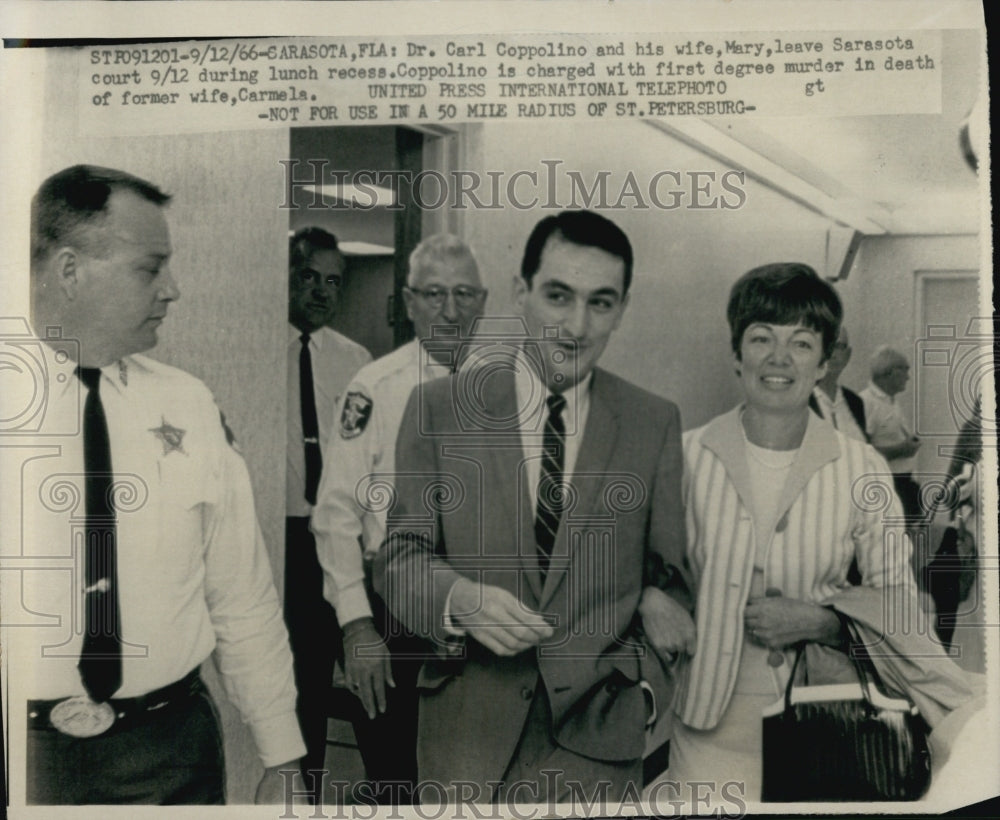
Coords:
pixel 830 400
pixel 537 539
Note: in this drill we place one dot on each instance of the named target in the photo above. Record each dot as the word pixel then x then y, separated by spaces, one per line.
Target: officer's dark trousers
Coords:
pixel 388 743
pixel 169 756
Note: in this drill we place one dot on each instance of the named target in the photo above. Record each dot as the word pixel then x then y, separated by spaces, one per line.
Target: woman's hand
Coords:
pixel 777 622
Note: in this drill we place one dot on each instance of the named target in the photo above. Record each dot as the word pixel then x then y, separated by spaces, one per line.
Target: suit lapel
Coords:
pixel 512 502
pixel 593 457
pixel 724 437
pixel 819 446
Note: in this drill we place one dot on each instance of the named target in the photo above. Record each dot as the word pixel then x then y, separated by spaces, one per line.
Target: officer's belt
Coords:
pixel 128 712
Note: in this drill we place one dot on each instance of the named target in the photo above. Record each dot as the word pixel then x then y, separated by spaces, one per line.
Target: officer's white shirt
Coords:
pixel 355 488
pixel 193 571
pixel 335 359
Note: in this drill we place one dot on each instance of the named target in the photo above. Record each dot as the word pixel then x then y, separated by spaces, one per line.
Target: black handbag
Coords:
pixel 844 741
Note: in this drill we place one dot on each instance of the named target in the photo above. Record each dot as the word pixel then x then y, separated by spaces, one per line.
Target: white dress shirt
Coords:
pixel 886 425
pixel 193 571
pixel 532 412
pixel 335 359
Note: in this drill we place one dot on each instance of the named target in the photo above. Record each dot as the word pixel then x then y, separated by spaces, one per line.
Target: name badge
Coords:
pixel 81 717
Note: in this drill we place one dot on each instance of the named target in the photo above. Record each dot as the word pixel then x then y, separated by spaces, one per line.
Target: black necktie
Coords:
pixel 310 426
pixel 551 499
pixel 101 657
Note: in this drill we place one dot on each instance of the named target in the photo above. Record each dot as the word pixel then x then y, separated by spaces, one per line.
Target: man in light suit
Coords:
pixel 537 540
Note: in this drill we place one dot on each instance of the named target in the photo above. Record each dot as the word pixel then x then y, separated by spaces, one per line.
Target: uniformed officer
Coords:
pixel 171 565
pixel 443 298
pixel 320 362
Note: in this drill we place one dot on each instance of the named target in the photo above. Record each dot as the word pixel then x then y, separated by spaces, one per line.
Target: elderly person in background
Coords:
pixel 887 429
pixel 773 528
pixel 843 408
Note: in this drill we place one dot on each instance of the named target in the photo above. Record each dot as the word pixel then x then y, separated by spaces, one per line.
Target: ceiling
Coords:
pixel 896 174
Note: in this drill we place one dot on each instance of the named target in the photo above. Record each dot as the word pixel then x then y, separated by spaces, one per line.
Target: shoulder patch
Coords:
pixel 354 417
pixel 230 438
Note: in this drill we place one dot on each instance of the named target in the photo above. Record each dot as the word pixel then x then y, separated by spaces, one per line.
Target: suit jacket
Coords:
pixel 463 508
pixel 854 403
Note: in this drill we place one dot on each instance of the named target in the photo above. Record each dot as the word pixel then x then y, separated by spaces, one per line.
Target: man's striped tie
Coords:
pixel 551 498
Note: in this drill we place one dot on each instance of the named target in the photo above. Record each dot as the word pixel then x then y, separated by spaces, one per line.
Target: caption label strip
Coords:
pixel 246 84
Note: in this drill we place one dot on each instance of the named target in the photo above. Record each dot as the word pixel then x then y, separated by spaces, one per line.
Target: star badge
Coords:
pixel 172 437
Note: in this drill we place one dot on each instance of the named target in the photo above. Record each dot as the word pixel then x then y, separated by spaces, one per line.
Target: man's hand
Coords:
pixel 668 626
pixel 777 622
pixel 911 446
pixel 496 618
pixel 904 449
pixel 367 665
pixel 271 789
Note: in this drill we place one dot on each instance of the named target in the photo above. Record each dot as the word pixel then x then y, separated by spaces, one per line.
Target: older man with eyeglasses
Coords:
pixel 888 429
pixel 443 298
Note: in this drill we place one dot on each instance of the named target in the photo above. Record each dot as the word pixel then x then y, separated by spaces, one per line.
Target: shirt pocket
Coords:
pixel 188 495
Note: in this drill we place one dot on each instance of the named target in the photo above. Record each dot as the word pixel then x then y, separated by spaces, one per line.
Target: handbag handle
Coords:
pixel 863 665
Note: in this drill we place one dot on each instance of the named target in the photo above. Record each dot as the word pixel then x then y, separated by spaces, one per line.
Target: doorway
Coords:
pixel 375 228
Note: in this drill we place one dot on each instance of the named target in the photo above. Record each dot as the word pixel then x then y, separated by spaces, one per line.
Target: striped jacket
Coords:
pixel 837 503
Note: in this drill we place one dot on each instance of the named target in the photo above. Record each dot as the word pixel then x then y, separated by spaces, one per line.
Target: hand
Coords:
pixel 367 665
pixel 496 618
pixel 777 622
pixel 668 626
pixel 275 786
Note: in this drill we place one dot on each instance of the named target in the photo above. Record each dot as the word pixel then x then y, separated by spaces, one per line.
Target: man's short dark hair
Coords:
pixel 305 242
pixel 784 293
pixel 581 228
pixel 76 199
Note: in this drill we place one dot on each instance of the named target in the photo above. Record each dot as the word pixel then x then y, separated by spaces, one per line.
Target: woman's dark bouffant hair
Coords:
pixel 784 293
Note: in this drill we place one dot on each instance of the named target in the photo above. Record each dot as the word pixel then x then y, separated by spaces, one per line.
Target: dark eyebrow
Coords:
pixel 556 284
pixel 314 272
pixel 605 292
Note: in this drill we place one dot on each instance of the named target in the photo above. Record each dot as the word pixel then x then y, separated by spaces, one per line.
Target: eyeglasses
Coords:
pixel 465 296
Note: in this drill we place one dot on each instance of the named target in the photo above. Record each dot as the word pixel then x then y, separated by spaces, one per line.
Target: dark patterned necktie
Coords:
pixel 551 498
pixel 101 657
pixel 310 426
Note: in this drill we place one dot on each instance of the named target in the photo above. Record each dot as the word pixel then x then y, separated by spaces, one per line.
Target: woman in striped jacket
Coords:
pixel 779 504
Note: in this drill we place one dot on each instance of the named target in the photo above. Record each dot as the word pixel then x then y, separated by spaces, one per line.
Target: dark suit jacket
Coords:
pixel 854 403
pixel 463 508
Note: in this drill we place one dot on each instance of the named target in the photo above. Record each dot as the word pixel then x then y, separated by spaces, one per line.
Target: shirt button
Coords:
pixel 527 693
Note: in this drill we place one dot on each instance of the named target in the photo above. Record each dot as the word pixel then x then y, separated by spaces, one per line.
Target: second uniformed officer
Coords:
pixel 443 295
